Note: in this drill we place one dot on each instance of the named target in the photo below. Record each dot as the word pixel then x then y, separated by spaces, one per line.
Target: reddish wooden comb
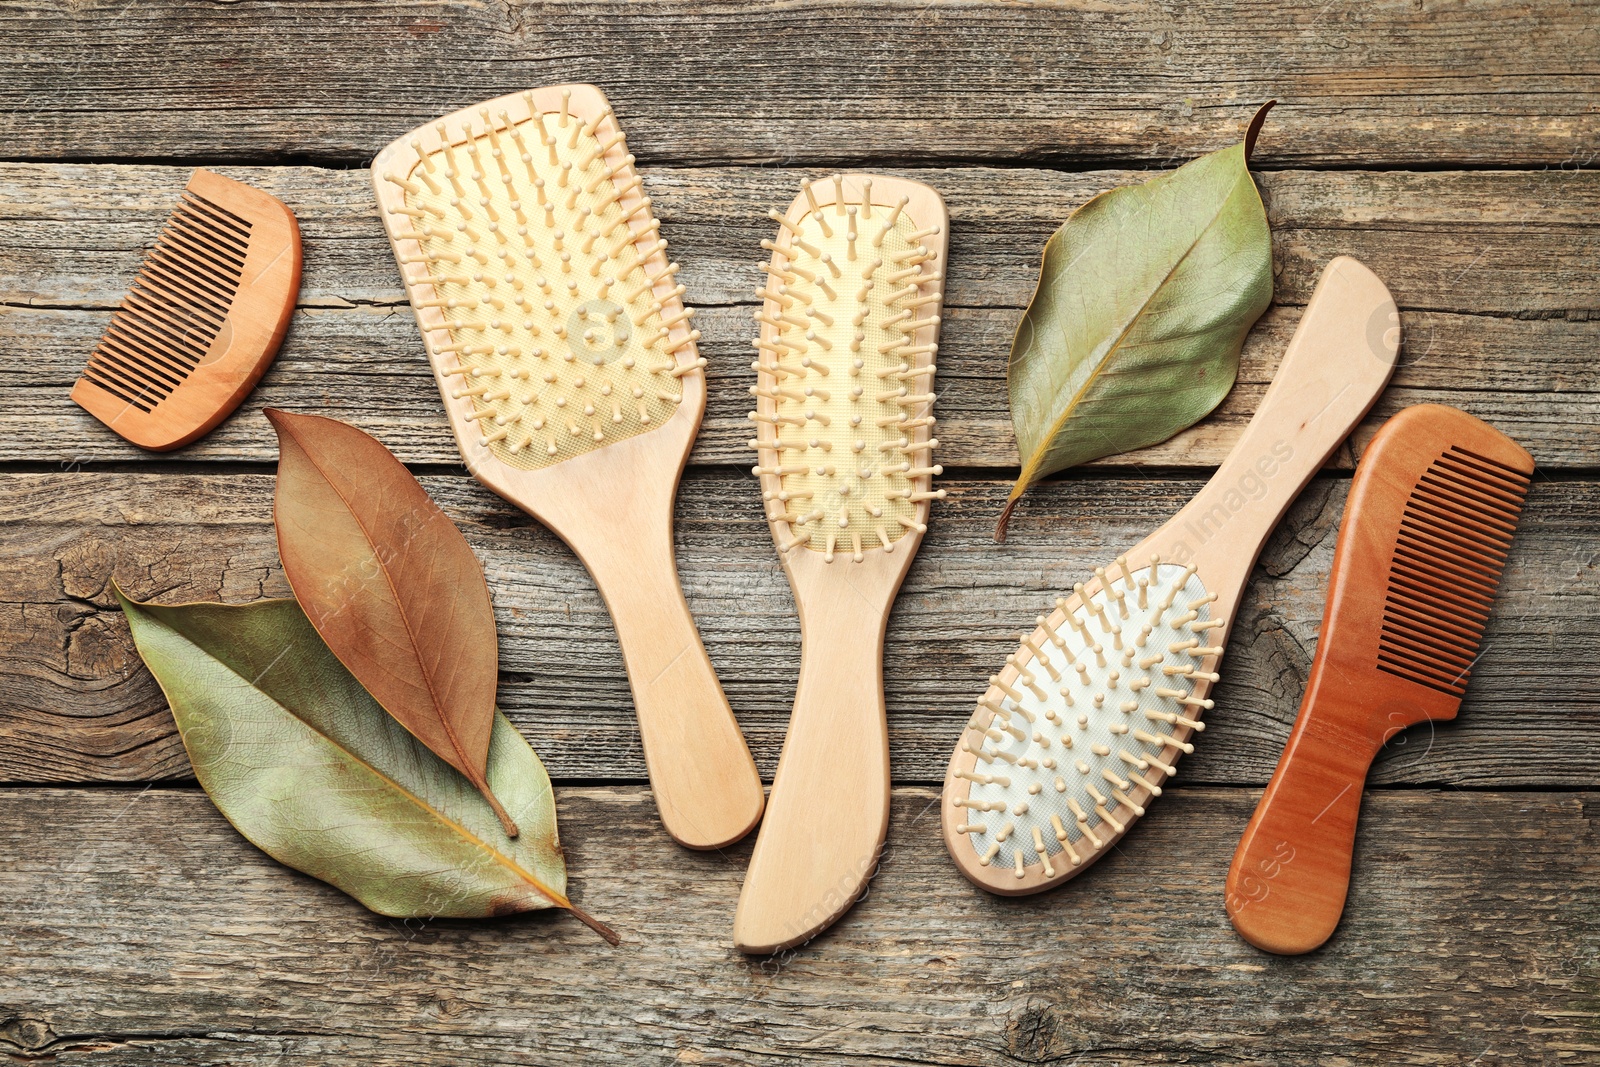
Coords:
pixel 1431 513
pixel 203 319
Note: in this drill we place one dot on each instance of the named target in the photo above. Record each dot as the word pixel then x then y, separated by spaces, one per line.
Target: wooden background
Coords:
pixel 1451 146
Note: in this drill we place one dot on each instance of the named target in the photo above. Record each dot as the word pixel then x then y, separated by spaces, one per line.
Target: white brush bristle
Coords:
pixel 1068 753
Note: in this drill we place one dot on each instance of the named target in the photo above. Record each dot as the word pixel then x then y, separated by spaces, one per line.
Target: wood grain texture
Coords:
pixel 1381 83
pixel 1470 937
pixel 78 706
pixel 142 930
pixel 1492 272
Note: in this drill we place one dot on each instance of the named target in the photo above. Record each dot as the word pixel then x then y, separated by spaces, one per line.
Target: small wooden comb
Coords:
pixel 1431 513
pixel 203 319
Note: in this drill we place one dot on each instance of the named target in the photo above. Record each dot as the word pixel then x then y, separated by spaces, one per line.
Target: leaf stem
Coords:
pixel 1254 129
pixel 594 924
pixel 504 816
pixel 1005 519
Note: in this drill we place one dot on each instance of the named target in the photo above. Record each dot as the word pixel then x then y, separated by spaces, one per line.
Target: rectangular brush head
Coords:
pixel 1429 521
pixel 540 281
pixel 203 319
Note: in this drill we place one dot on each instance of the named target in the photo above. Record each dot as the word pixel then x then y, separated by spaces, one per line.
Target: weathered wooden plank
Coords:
pixel 141 929
pixel 1518 243
pixel 78 705
pixel 1387 82
pixel 1536 380
pixel 1463 275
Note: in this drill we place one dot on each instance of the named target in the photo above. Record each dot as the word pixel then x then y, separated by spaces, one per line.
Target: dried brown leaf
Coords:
pixel 391 586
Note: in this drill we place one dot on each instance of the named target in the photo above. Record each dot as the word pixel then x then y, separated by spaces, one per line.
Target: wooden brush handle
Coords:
pixel 706 785
pixel 829 808
pixel 1337 363
pixel 1291 872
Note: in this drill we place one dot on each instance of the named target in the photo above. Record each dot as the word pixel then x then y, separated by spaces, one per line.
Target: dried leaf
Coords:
pixel 300 758
pixel 1144 299
pixel 391 585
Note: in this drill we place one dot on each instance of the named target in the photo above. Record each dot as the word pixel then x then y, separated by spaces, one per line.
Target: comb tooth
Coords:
pixel 1429 594
pixel 165 271
pixel 164 326
pixel 1407 615
pixel 1453 546
pixel 147 339
pixel 1470 462
pixel 1428 509
pixel 223 260
pixel 138 398
pixel 1423 655
pixel 1449 677
pixel 204 288
pixel 194 229
pixel 1446 570
pixel 226 247
pixel 1454 685
pixel 1480 554
pixel 1425 642
pixel 1455 534
pixel 1482 491
pixel 227 220
pixel 1473 494
pixel 1446 595
pixel 144 371
pixel 130 389
pixel 189 264
pixel 1435 547
pixel 145 321
pixel 195 248
pixel 206 314
pixel 141 396
pixel 130 378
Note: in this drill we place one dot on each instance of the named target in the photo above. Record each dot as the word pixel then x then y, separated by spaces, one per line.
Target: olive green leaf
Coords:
pixel 306 764
pixel 1144 299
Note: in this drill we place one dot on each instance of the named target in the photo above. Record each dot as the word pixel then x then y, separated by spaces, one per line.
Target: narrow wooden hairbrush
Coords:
pixel 1429 520
pixel 568 367
pixel 203 319
pixel 844 432
pixel 1087 719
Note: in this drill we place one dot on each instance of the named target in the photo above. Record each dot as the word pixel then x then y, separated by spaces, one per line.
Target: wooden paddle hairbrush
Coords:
pixel 1426 529
pixel 844 432
pixel 203 319
pixel 1088 717
pixel 568 367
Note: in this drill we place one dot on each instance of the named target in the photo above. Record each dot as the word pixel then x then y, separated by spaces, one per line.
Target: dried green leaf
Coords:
pixel 306 765
pixel 1144 299
pixel 391 585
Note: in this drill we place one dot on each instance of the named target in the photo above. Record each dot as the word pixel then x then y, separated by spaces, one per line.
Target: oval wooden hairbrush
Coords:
pixel 568 368
pixel 1429 520
pixel 844 432
pixel 1090 715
